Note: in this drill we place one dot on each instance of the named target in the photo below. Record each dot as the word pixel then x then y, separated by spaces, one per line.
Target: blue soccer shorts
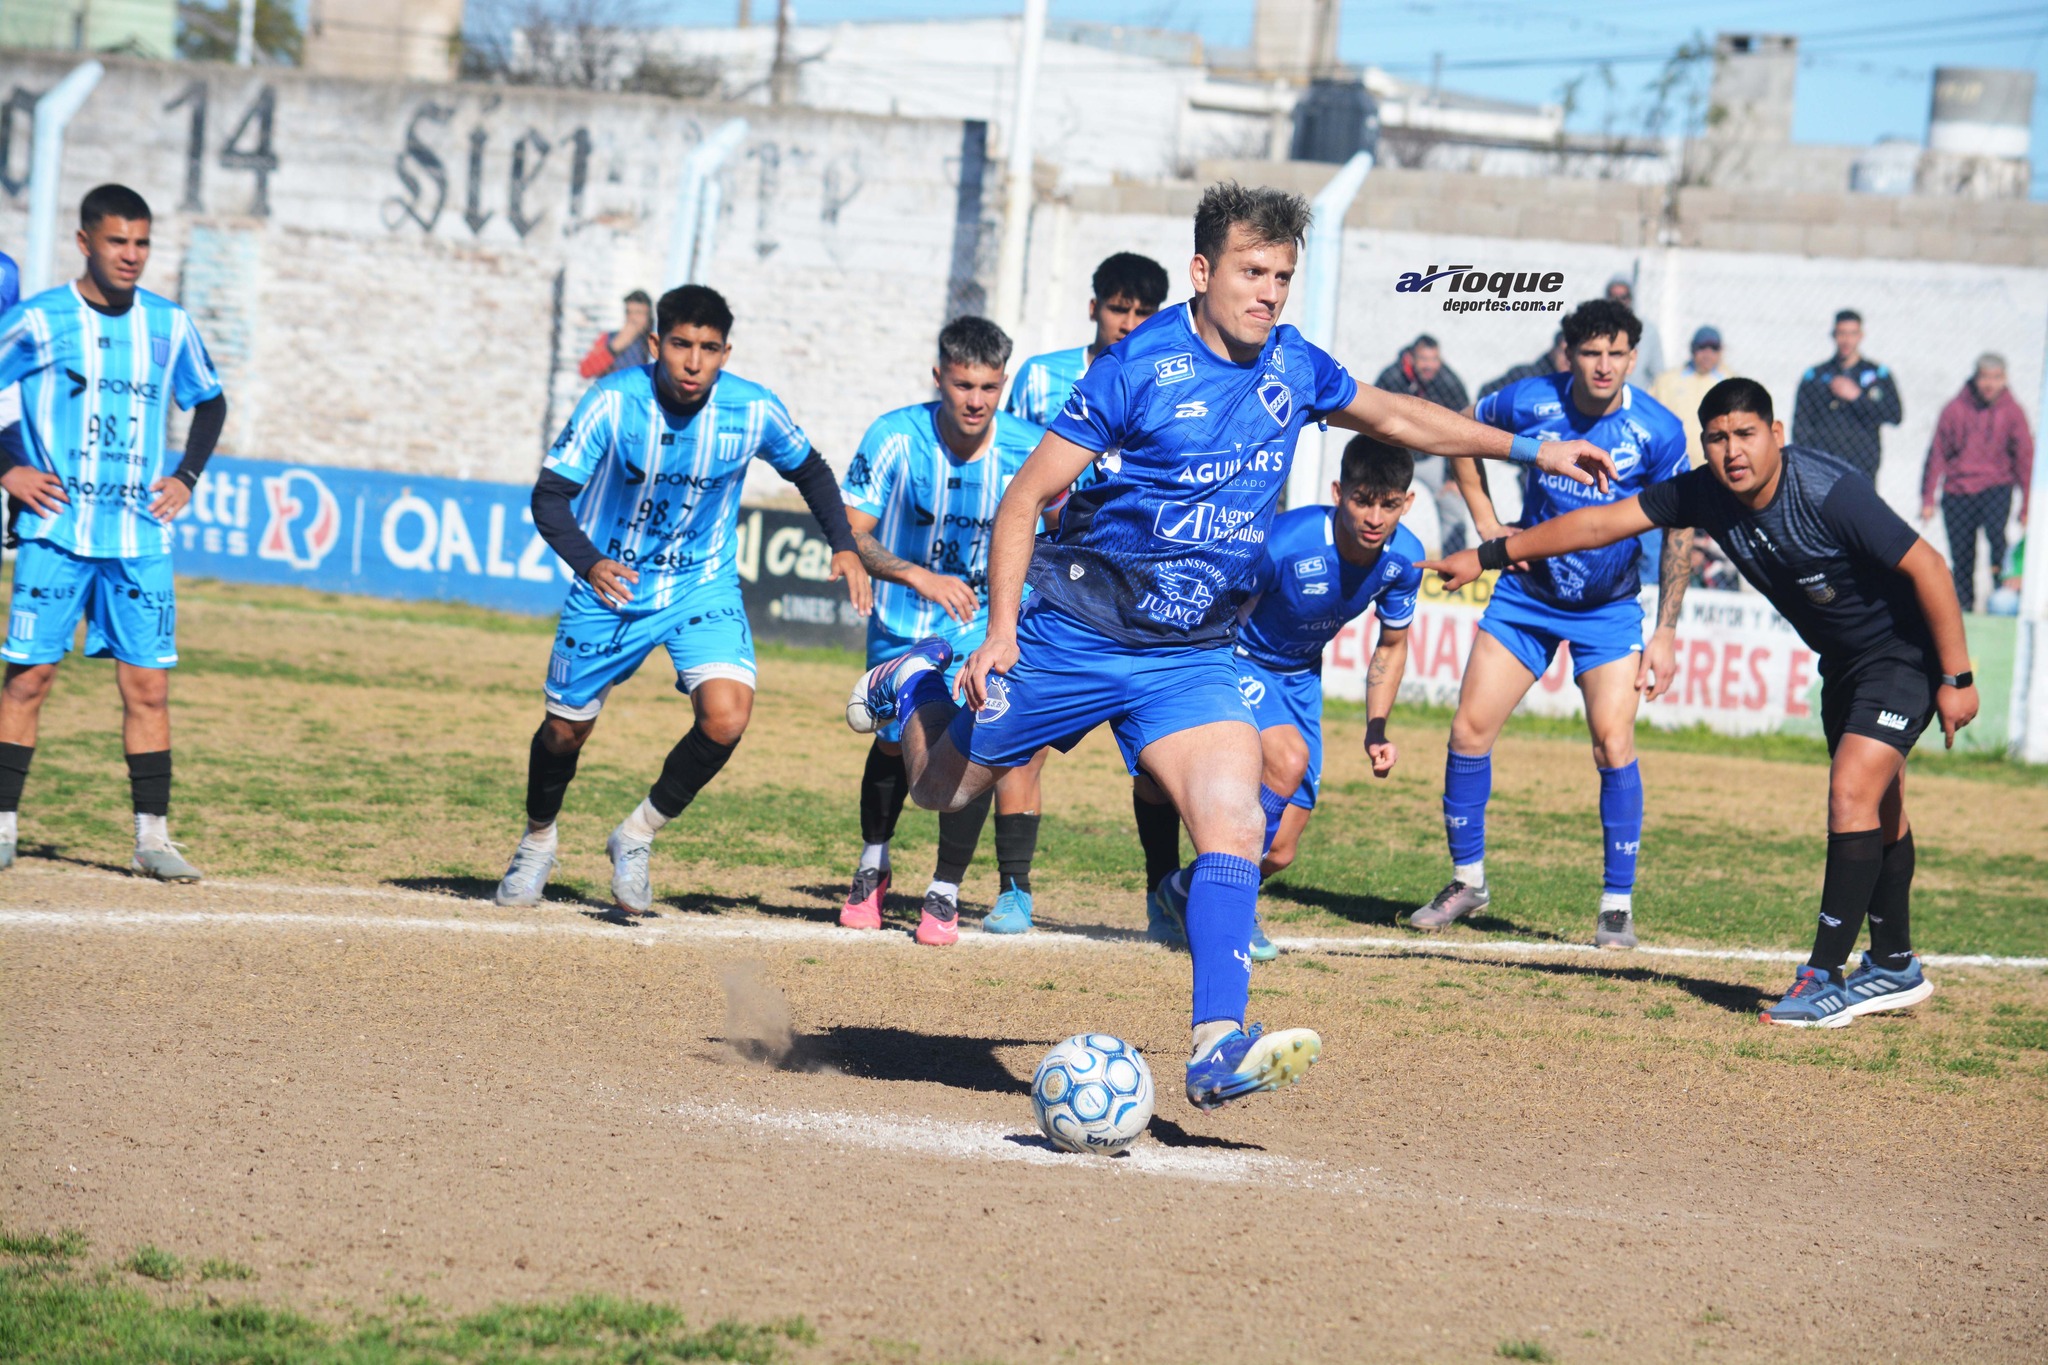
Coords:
pixel 130 608
pixel 1070 678
pixel 1294 699
pixel 597 646
pixel 1532 629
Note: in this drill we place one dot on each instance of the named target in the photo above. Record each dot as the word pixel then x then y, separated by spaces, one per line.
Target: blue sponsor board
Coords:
pixel 461 540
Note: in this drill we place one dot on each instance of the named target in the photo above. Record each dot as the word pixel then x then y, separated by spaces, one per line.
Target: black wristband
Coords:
pixel 1493 554
pixel 1966 678
pixel 188 477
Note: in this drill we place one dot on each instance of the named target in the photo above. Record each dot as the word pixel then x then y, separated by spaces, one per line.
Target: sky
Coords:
pixel 1866 69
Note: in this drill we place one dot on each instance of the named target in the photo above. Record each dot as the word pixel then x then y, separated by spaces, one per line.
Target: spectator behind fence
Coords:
pixel 1420 372
pixel 1682 389
pixel 1649 350
pixel 1845 399
pixel 632 344
pixel 1981 451
pixel 1550 362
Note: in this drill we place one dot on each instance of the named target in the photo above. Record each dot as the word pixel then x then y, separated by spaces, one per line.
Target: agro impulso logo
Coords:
pixel 1502 285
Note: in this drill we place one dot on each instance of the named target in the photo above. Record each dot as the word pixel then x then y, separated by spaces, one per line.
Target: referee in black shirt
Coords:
pixel 1875 602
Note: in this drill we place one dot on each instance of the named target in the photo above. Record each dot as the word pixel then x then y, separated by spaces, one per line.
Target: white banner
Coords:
pixel 1741 668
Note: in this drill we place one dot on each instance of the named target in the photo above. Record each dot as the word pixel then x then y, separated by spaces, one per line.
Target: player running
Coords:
pixel 1128 289
pixel 1192 421
pixel 1324 566
pixel 1879 607
pixel 659 454
pixel 921 495
pixel 96 359
pixel 1587 601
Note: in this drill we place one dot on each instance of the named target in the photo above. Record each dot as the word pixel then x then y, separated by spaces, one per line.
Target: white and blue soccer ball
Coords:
pixel 1092 1093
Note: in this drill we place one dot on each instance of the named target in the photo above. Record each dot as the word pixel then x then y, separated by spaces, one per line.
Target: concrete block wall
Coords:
pixel 404 276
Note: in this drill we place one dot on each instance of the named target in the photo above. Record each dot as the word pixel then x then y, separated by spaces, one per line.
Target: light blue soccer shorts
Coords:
pixel 597 646
pixel 1532 629
pixel 884 646
pixel 1070 678
pixel 1288 699
pixel 130 608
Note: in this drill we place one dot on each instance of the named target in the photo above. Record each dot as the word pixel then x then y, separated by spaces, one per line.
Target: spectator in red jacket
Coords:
pixel 629 346
pixel 1982 450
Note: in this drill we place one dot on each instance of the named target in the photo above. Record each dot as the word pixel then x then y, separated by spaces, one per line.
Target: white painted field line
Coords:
pixel 686 928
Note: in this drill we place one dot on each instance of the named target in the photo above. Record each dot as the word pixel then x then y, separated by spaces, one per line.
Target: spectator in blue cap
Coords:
pixel 1682 389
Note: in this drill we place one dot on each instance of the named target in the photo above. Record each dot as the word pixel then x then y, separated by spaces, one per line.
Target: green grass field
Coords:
pixel 321 737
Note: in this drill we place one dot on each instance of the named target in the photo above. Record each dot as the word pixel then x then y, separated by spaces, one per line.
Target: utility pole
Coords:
pixel 782 75
pixel 746 13
pixel 245 33
pixel 1010 262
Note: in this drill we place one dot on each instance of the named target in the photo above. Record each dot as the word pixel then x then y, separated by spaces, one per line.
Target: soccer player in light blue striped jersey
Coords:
pixel 640 496
pixel 99 360
pixel 921 495
pixel 1128 289
pixel 1192 421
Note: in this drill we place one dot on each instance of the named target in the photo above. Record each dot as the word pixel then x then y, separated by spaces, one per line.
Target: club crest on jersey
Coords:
pixel 160 350
pixel 1174 368
pixel 305 520
pixel 730 446
pixel 1818 590
pixel 1278 399
pixel 998 702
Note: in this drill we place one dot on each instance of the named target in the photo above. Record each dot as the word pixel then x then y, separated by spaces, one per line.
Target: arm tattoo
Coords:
pixel 880 562
pixel 1674 572
pixel 1376 673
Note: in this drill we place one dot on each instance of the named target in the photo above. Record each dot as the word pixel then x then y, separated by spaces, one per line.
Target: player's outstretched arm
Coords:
pixel 1050 471
pixel 1589 528
pixel 1935 588
pixel 1382 686
pixel 1420 425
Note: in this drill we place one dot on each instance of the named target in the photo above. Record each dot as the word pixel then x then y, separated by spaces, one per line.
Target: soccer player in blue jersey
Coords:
pixel 1192 421
pixel 98 360
pixel 1585 600
pixel 1324 567
pixel 657 456
pixel 921 495
pixel 1878 606
pixel 1128 289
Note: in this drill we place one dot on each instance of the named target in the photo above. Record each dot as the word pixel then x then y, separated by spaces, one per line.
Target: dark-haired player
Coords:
pixel 1876 603
pixel 658 455
pixel 1586 601
pixel 1191 423
pixel 1324 567
pixel 1128 289
pixel 921 496
pixel 97 360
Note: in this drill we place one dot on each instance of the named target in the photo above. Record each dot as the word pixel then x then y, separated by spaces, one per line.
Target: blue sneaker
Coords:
pixel 1011 915
pixel 1166 909
pixel 1245 1063
pixel 1872 988
pixel 1262 947
pixel 1814 1001
pixel 872 703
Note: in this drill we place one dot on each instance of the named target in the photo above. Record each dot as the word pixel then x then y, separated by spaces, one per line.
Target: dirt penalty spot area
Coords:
pixel 1593 1153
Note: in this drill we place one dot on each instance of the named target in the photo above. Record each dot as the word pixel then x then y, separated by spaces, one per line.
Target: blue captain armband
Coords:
pixel 1523 450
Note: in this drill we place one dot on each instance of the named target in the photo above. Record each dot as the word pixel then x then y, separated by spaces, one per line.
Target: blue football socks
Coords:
pixel 1275 806
pixel 1621 821
pixel 1223 895
pixel 1468 784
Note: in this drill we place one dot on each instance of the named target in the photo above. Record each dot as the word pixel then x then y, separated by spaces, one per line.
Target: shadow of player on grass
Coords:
pixel 1734 996
pixel 1381 912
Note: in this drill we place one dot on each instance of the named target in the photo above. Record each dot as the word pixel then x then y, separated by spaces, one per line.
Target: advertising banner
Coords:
pixel 1741 668
pixel 460 540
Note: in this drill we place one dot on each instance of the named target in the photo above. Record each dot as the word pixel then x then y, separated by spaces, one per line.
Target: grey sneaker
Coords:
pixel 7 854
pixel 1166 911
pixel 527 878
pixel 1616 929
pixel 1454 902
pixel 630 889
pixel 164 864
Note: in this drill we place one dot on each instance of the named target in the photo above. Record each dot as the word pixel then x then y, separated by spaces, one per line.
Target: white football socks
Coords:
pixel 643 823
pixel 6 826
pixel 1209 1034
pixel 1623 901
pixel 540 838
pixel 152 831
pixel 950 890
pixel 874 857
pixel 1472 874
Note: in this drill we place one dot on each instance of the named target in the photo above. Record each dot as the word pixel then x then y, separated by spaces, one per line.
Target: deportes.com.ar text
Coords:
pixel 1503 305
